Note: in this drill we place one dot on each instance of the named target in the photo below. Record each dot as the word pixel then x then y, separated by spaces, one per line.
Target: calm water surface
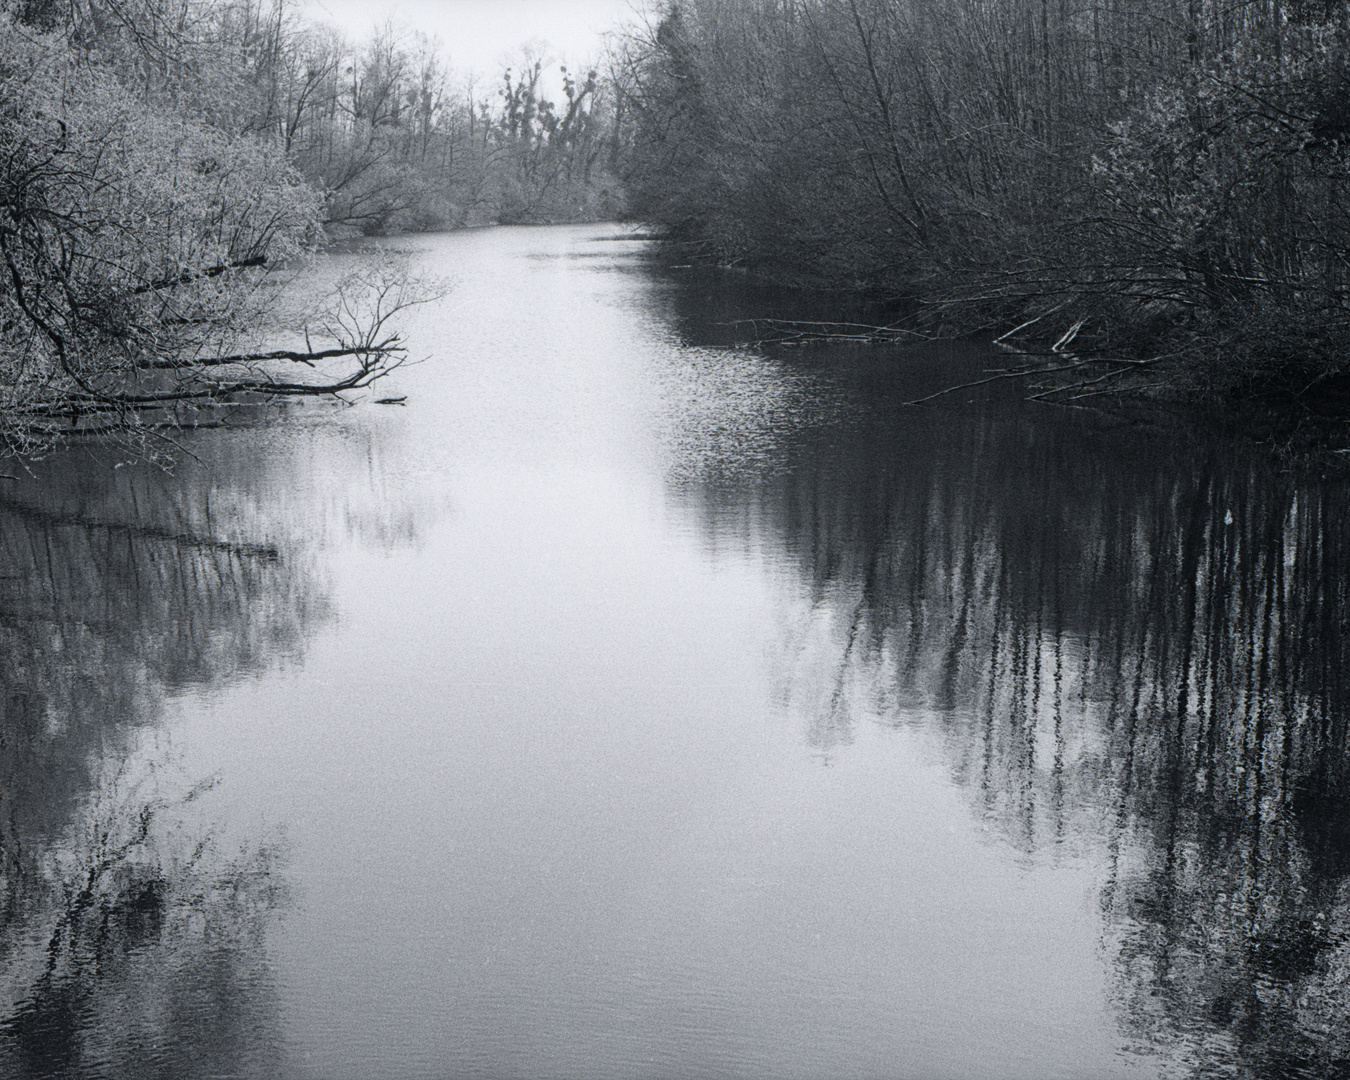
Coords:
pixel 630 705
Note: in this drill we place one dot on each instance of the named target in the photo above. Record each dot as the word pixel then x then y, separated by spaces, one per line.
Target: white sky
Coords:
pixel 483 36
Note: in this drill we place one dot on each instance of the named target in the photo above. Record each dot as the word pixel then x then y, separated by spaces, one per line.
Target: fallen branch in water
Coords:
pixel 1113 381
pixel 291 355
pixel 800 332
pixel 133 402
pixel 1001 376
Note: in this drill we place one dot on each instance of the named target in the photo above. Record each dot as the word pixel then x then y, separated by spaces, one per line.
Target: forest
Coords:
pixel 162 160
pixel 1151 192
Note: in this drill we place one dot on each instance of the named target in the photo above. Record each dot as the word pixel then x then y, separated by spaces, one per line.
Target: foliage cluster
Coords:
pixel 1165 182
pixel 132 237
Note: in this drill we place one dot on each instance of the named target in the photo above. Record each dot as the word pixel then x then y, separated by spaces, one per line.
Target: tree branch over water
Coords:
pixel 1174 184
pixel 137 243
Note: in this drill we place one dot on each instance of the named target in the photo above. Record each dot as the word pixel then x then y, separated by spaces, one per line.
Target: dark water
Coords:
pixel 629 705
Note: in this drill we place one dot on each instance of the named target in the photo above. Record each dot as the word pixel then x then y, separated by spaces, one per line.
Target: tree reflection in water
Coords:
pixel 134 949
pixel 1133 641
pixel 129 945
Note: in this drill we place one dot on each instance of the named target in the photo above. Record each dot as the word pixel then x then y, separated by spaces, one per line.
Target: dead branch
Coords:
pixel 799 332
pixel 309 357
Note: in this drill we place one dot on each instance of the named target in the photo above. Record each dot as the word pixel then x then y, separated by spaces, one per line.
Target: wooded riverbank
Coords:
pixel 1161 187
pixel 1142 196
pixel 160 160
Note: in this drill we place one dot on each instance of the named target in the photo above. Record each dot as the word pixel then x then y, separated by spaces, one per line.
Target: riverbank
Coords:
pixel 1168 196
pixel 1052 357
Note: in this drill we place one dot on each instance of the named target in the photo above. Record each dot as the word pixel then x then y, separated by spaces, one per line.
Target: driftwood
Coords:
pixel 1057 360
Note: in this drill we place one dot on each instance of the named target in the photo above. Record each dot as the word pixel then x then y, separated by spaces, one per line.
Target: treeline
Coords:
pixel 395 143
pixel 1159 181
pixel 381 128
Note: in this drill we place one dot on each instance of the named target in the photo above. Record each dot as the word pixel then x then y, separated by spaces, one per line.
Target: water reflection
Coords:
pixel 1131 648
pixel 134 948
pixel 131 936
pixel 546 816
pixel 119 588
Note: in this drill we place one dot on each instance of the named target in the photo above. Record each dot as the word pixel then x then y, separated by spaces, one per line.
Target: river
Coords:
pixel 625 703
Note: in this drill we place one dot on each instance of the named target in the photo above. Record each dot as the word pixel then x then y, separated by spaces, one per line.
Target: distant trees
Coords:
pixel 394 143
pixel 1170 176
pixel 552 155
pixel 384 132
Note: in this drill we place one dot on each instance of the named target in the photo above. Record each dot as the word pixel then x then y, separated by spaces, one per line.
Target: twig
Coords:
pixel 1000 376
pixel 1030 322
pixel 1072 332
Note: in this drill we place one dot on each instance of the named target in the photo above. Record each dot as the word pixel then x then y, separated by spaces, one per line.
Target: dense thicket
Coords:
pixel 381 128
pixel 1156 178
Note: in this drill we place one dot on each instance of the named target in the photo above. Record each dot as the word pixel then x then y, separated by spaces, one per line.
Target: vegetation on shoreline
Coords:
pixel 160 160
pixel 395 144
pixel 1165 183
pixel 1133 194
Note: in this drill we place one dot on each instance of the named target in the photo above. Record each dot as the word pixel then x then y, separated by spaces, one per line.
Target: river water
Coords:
pixel 628 704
